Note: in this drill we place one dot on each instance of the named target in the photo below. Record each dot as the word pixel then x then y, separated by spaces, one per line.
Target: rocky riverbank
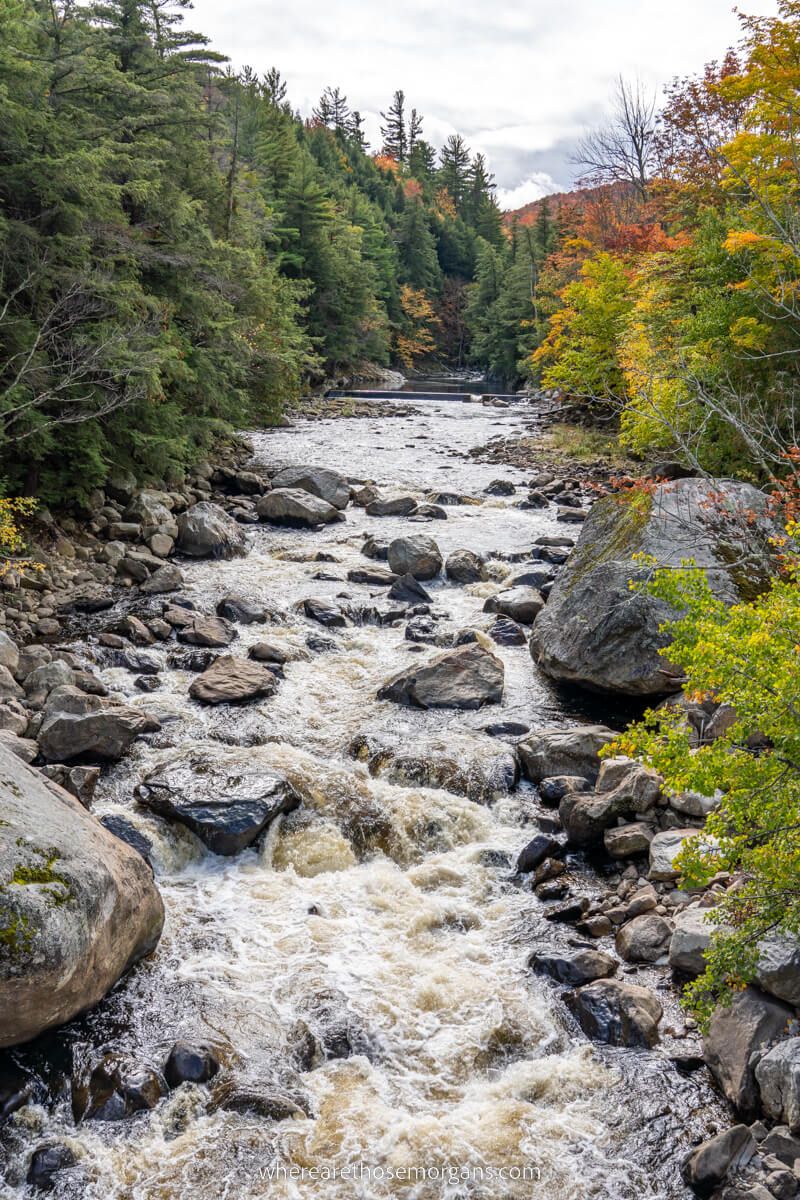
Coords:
pixel 115 645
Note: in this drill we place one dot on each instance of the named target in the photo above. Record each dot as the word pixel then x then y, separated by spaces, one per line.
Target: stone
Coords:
pixel 466 677
pixel 372 576
pixel 296 509
pixel 127 832
pixel 77 907
pixel 553 790
pixel 778 1078
pixel 778 967
pixel 464 566
pixel 617 1013
pixel 628 841
pixel 212 632
pixel 780 1143
pixel 324 612
pixel 391 506
pixel 227 799
pixel 48 1160
pixel 24 748
pixel 636 787
pixel 664 849
pixel 586 816
pixel 521 604
pixel 168 578
pixel 692 804
pixel 407 590
pixel 705 1168
pixel 427 512
pixel 190 1062
pixel 114 1087
pixel 161 544
pixel 465 764
pixel 531 856
pixel 77 725
pixel 561 751
pixel 416 555
pixel 750 1023
pixel 690 940
pixel 206 531
pixel 500 487
pixel 149 511
pixel 644 939
pixel 595 632
pixel 9 653
pixel 269 652
pixel 9 688
pixel 327 485
pixel 231 680
pixel 506 632
pixel 375 548
pixel 43 680
pixel 576 967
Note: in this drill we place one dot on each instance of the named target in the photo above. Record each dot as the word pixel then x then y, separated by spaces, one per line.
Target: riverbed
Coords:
pixel 381 923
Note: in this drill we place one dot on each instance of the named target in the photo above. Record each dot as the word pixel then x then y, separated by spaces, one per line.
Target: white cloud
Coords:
pixel 540 184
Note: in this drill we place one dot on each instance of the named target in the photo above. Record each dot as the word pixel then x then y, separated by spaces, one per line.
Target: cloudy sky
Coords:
pixel 520 79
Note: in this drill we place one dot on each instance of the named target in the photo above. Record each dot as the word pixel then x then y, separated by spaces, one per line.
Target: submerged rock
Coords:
pixel 115 1087
pixel 467 677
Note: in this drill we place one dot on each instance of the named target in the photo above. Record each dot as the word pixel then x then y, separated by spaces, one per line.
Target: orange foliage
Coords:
pixel 385 162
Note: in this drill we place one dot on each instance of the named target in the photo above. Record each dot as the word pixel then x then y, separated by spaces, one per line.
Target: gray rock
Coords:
pixel 227 798
pixel 43 680
pixel 324 612
pixel 564 751
pixel 231 680
pixel 533 855
pixel 77 907
pixel 168 578
pixel 750 1023
pixel 77 725
pixel 627 841
pixel 705 1168
pixel 780 1142
pixel 690 940
pixel 664 849
pixel 296 508
pixel 149 511
pixel 467 677
pixel 597 633
pixel 213 632
pixel 617 1013
pixel 319 481
pixel 636 787
pixel 575 967
pixel 416 555
pixel 778 1077
pixel 644 939
pixel 465 764
pixel 9 688
pixel 692 804
pixel 463 566
pixel 9 653
pixel 241 610
pixel 206 531
pixel 778 969
pixel 586 816
pixel 522 604
pixel 391 506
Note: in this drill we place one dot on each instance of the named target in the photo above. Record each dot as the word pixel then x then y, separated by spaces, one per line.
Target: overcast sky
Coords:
pixel 520 79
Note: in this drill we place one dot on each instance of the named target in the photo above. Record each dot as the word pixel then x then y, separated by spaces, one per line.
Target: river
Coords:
pixel 462 1072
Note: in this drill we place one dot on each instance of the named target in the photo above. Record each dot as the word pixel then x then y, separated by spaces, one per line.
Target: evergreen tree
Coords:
pixel 419 266
pixel 454 159
pixel 393 129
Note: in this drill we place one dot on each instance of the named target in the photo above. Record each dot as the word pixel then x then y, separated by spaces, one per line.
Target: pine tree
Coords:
pixel 454 159
pixel 419 265
pixel 393 129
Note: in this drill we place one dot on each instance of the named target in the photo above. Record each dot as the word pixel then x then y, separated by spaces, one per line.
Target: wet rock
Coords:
pixel 564 752
pixel 226 799
pixel 127 832
pixel 78 908
pixel 212 632
pixel 267 1105
pixel 391 506
pixel 407 590
pixel 541 847
pixel 324 612
pixel 778 1078
pixel 778 968
pixel 297 509
pixel 521 604
pixel 168 578
pixel 538 578
pixel 506 632
pixel 206 531
pixel 467 677
pixel 372 576
pixel 574 967
pixel 628 841
pixel 327 485
pixel 464 764
pixel 664 849
pixel 416 555
pixel 506 729
pixel 464 566
pixel 705 1168
pixel 238 609
pixel 190 1062
pixel 76 725
pixel 9 653
pixel 191 660
pixel 231 680
pixel 690 940
pixel 269 652
pixel 377 548
pixel 147 683
pixel 427 512
pixel 500 487
pixel 568 914
pixel 644 939
pixel 617 1013
pixel 47 1161
pixel 597 633
pixel 422 629
pixel 114 1088
pixel 139 661
pixel 749 1024
pixel 553 790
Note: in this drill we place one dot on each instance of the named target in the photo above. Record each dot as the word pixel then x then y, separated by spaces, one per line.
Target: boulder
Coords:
pixel 148 510
pixel 617 1013
pixel 407 590
pixel 242 611
pixel 464 566
pixel 521 604
pixel 778 968
pixel 77 725
pixel 391 506
pixel 586 816
pixel 206 531
pixel 690 940
pixel 638 788
pixel 231 680
pixel 113 1087
pixel 327 485
pixel 533 855
pixel 372 576
pixel 375 548
pixel 506 632
pixel 9 653
pixel 574 967
pixel 77 906
pixel 213 632
pixel 417 555
pixel 227 798
pixel 190 1062
pixel 297 509
pixel 168 578
pixel 596 632
pixel 705 1168
pixel 627 841
pixel 465 764
pixel 664 849
pixel 467 677
pixel 324 612
pixel 750 1023
pixel 645 938
pixel 564 751
pixel 47 1161
pixel 778 1077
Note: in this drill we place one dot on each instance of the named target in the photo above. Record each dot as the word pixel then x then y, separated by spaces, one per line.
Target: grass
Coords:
pixel 584 445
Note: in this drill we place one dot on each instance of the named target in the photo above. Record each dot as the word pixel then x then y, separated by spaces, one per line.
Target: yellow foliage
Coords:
pixel 416 337
pixel 13 510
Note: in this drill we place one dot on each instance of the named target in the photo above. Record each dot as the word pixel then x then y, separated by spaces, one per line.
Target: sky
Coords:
pixel 521 80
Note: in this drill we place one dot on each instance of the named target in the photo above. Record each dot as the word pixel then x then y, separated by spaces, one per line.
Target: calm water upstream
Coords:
pixel 375 912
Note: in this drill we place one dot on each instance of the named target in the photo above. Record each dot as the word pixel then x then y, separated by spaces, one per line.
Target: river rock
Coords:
pixel 617 1013
pixel 115 1087
pixel 238 609
pixel 167 578
pixel 375 548
pixel 464 566
pixel 212 632
pixel 521 604
pixel 296 508
pixel 190 1062
pixel 391 506
pixel 664 849
pixel 644 939
pixel 506 632
pixel 778 967
pixel 465 764
pixel 231 680
pixel 372 576
pixel 690 940
pixel 564 751
pixel 149 511
pixel 327 485
pixel 324 612
pixel 77 907
pixel 206 531
pixel 574 967
pixel 9 653
pixel 778 1078
pixel 628 841
pixel 750 1023
pixel 47 1161
pixel 77 725
pixel 597 633
pixel 705 1168
pixel 226 798
pixel 417 555
pixel 467 677
pixel 407 590
pixel 531 856
pixel 638 788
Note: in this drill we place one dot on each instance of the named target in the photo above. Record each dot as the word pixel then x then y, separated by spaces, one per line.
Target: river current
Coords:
pixel 381 916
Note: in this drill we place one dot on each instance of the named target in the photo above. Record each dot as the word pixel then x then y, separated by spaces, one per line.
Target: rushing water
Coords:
pixel 379 917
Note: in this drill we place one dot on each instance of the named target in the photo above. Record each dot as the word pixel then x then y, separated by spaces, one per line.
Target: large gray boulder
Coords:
pixel 597 633
pixel 319 481
pixel 644 939
pixel 464 566
pixel 231 680
pixel 522 604
pixel 467 677
pixel 617 1013
pixel 664 849
pixel 206 531
pixel 559 751
pixel 77 906
pixel 778 969
pixel 417 555
pixel 750 1023
pixel 78 725
pixel 778 1076
pixel 690 940
pixel 297 508
pixel 149 510
pixel 708 1166
pixel 480 768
